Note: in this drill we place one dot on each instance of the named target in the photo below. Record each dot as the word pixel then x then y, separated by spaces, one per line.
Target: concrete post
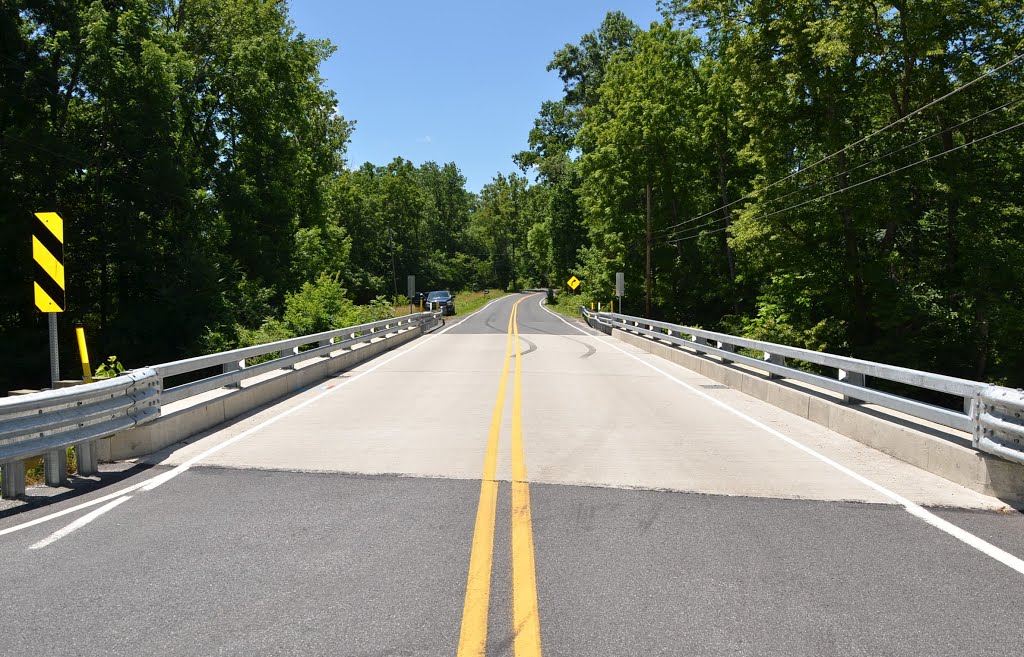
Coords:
pixel 233 366
pixel 284 353
pixel 55 467
pixel 726 347
pixel 13 484
pixel 88 459
pixel 774 359
pixel 854 379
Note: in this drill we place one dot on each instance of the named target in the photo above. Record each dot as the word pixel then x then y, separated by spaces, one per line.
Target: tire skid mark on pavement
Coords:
pixel 914 509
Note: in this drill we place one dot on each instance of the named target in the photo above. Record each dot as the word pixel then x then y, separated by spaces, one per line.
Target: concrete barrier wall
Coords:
pixel 180 424
pixel 960 464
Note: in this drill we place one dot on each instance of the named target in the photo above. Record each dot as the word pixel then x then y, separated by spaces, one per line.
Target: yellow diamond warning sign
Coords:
pixel 573 282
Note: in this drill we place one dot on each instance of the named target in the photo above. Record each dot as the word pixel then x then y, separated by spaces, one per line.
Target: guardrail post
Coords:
pixel 284 353
pixel 13 484
pixel 699 340
pixel 233 366
pixel 854 379
pixel 55 467
pixel 88 459
pixel 774 359
pixel 726 347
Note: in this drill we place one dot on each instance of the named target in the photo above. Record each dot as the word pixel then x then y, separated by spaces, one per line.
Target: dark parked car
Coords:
pixel 442 300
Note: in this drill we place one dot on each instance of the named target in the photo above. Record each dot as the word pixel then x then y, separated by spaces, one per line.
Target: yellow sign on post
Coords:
pixel 48 256
pixel 573 283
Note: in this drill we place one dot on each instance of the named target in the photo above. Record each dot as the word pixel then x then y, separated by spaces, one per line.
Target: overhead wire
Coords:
pixel 858 184
pixel 856 143
pixel 896 151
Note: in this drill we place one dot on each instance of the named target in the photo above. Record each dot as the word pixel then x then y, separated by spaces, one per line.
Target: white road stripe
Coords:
pixel 163 478
pixel 912 508
pixel 78 524
pixel 171 474
pixel 69 510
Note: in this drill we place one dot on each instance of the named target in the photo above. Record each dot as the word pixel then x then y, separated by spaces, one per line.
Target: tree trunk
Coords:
pixel 981 322
pixel 648 305
pixel 853 263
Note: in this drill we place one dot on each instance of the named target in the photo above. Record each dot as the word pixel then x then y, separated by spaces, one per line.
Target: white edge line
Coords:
pixel 77 507
pixel 912 508
pixel 153 482
pixel 78 524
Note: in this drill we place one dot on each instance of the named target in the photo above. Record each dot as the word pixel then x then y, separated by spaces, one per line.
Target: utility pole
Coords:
pixel 648 315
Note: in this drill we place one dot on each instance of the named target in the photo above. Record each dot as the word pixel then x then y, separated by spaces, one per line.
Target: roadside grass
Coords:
pixel 566 305
pixel 465 302
pixel 468 302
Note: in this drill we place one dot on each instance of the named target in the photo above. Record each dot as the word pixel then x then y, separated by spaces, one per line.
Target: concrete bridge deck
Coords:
pixel 661 513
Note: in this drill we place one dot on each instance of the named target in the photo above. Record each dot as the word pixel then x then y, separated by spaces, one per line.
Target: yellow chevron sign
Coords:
pixel 48 255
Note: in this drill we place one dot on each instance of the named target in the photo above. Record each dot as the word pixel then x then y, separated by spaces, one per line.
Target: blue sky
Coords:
pixel 448 81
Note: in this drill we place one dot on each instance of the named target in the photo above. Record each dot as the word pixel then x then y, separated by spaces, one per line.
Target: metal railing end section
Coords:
pixel 999 425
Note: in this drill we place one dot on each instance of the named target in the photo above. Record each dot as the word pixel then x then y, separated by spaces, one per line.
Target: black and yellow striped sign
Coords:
pixel 48 255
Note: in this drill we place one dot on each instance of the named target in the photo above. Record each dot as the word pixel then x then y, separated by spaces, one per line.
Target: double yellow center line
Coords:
pixel 525 615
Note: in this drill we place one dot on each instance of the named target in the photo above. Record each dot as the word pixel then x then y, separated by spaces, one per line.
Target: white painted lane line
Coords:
pixel 162 479
pixel 167 476
pixel 78 524
pixel 69 510
pixel 912 508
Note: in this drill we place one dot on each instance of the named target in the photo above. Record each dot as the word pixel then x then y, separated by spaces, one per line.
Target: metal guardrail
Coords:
pixel 46 423
pixel 999 431
pixel 234 367
pixel 1000 423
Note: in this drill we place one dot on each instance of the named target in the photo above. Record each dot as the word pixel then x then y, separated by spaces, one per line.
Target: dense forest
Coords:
pixel 839 176
pixel 198 161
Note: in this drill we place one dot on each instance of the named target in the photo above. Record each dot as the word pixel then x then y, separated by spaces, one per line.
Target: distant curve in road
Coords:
pixel 661 524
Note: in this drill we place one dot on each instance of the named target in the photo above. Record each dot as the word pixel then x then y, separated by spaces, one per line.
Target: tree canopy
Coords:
pixel 840 176
pixel 829 175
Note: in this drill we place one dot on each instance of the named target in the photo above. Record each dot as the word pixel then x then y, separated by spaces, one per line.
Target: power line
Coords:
pixel 896 151
pixel 700 234
pixel 856 143
pixel 858 184
pixel 895 171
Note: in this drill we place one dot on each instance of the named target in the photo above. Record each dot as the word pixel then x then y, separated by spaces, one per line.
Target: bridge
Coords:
pixel 515 483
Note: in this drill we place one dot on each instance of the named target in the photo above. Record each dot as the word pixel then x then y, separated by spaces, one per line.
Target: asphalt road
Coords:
pixel 657 523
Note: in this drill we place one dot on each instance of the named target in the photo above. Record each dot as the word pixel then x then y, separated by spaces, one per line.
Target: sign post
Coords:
pixel 48 281
pixel 411 282
pixel 620 287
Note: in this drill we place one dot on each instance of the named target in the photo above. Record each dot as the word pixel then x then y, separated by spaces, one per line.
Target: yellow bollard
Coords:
pixel 83 351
